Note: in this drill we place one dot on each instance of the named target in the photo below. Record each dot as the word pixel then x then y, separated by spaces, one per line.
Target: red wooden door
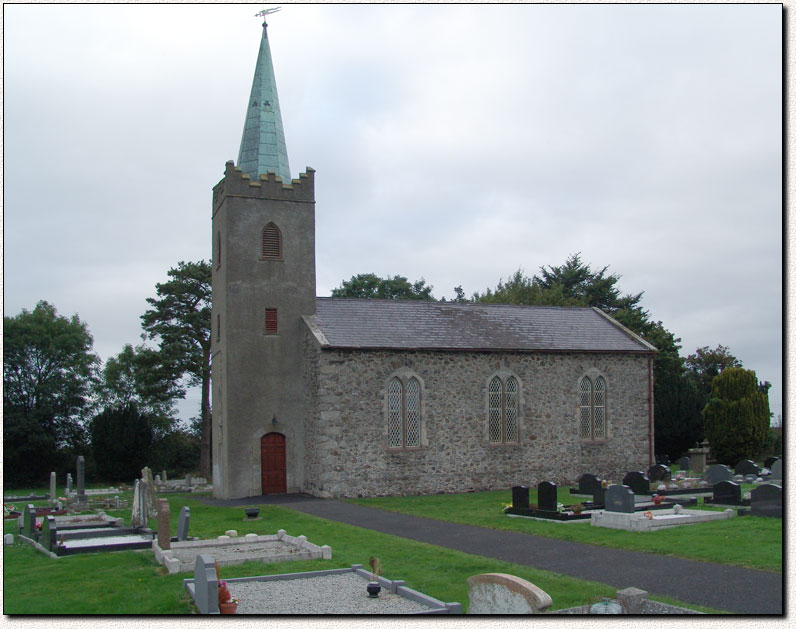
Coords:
pixel 272 463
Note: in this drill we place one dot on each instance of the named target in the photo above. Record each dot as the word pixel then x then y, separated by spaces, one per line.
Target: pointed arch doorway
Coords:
pixel 272 463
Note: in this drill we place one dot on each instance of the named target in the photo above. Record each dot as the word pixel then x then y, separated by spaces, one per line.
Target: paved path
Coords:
pixel 737 590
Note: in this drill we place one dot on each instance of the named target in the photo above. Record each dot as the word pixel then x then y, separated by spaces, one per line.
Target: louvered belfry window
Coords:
pixel 592 408
pixel 503 410
pixel 272 243
pixel 403 413
pixel 271 321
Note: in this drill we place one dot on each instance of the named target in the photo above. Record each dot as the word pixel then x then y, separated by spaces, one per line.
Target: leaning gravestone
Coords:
pixel 182 524
pixel 547 496
pixel 727 492
pixel 205 585
pixel 767 501
pixel 149 493
pixel 658 472
pixel 620 498
pixel 685 463
pixel 746 467
pixel 519 497
pixel 776 470
pixel 717 473
pixel 497 593
pixel 638 482
pixel 587 483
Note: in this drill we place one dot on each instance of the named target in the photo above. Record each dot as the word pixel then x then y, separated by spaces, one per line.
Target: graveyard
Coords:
pixel 141 582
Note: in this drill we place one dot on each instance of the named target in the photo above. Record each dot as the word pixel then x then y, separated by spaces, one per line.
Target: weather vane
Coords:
pixel 265 12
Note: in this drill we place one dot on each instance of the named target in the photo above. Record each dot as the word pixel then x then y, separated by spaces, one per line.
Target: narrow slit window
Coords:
pixel 271 243
pixel 271 323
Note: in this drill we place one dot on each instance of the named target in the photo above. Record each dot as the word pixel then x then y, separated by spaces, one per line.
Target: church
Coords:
pixel 359 397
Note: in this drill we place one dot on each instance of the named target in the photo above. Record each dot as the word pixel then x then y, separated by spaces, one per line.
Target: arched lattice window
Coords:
pixel 503 410
pixel 592 408
pixel 272 243
pixel 403 413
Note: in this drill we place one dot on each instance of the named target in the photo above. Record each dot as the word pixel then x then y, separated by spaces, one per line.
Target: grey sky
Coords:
pixel 453 143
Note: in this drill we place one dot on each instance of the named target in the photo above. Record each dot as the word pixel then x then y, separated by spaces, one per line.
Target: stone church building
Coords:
pixel 358 397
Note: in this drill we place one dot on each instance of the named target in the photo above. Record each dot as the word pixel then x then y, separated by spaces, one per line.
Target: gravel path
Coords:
pixel 330 594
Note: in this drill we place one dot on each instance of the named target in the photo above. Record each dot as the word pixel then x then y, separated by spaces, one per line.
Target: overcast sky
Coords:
pixel 452 143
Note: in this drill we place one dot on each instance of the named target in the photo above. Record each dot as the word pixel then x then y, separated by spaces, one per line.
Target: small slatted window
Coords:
pixel 272 243
pixel 593 422
pixel 503 410
pixel 403 413
pixel 271 326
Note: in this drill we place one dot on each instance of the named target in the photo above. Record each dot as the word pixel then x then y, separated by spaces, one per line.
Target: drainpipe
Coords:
pixel 652 416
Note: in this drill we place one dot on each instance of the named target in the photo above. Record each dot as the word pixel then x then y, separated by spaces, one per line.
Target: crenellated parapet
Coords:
pixel 266 186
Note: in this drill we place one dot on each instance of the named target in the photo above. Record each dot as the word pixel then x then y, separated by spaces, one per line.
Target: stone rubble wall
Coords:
pixel 347 452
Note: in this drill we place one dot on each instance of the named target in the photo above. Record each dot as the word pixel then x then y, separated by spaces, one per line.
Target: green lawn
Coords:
pixel 132 583
pixel 748 541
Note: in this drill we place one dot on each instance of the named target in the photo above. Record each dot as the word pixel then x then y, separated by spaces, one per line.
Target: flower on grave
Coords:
pixel 657 498
pixel 38 525
pixel 648 515
pixel 560 507
pixel 507 506
pixel 604 484
pixel 8 509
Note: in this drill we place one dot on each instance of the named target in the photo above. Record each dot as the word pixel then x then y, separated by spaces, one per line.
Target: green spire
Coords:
pixel 262 147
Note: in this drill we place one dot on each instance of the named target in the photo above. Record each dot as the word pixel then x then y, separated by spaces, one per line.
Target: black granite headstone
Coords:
pixel 587 483
pixel 659 472
pixel 637 481
pixel 770 461
pixel 548 496
pixel 519 497
pixel 767 501
pixel 685 463
pixel 598 495
pixel 620 498
pixel 727 492
pixel 746 467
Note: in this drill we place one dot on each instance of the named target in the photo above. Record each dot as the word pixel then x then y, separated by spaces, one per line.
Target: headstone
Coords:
pixel 598 495
pixel 182 524
pixel 164 476
pixel 767 501
pixel 81 479
pixel 685 463
pixel 519 497
pixel 48 533
pixel 727 492
pixel 157 480
pixel 53 501
pixel 698 458
pixel 8 539
pixel 632 600
pixel 205 585
pixel 620 498
pixel 638 482
pixel 28 521
pixel 497 593
pixel 659 472
pixel 717 473
pixel 68 484
pixel 547 494
pixel 149 493
pixel 770 461
pixel 776 470
pixel 587 483
pixel 164 525
pixel 138 517
pixel 188 481
pixel 747 467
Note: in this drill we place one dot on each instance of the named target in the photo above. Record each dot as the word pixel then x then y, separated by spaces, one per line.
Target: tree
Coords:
pixel 180 320
pixel 49 368
pixel 705 364
pixel 121 438
pixel 737 415
pixel 371 286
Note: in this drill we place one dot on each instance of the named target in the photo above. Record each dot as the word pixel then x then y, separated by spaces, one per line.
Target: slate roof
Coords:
pixel 388 324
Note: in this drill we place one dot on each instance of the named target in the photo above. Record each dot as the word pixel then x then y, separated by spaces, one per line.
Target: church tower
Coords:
pixel 263 262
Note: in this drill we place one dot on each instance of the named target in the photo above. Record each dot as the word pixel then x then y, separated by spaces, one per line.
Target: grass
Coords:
pixel 748 541
pixel 132 583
